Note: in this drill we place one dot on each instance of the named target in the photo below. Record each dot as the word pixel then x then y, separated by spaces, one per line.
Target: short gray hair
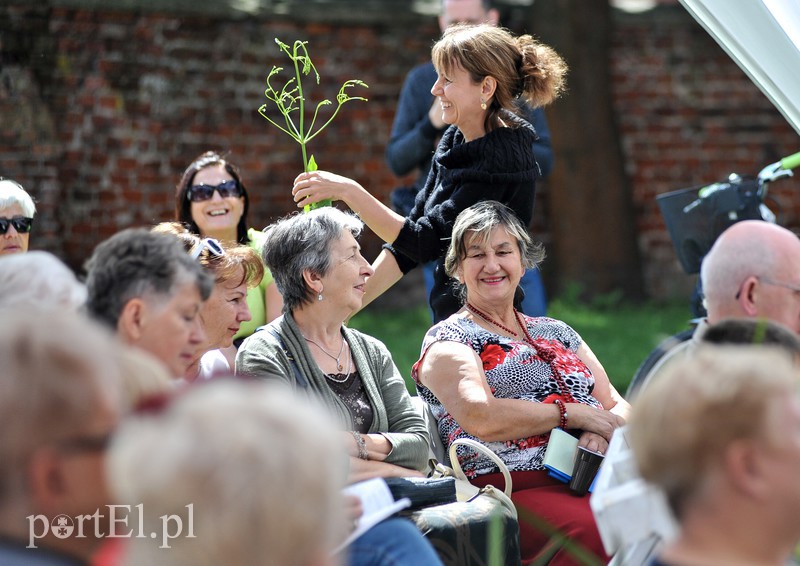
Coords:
pixel 12 193
pixel 39 279
pixel 135 263
pixel 479 220
pixel 303 241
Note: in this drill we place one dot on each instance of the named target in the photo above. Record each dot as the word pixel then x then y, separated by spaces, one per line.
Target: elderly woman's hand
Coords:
pixel 321 185
pixel 361 470
pixel 590 419
pixel 594 442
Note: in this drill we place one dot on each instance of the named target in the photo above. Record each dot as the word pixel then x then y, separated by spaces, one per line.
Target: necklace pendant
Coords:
pixel 341 367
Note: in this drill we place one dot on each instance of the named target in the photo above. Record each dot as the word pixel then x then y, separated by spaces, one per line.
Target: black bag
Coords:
pixel 423 492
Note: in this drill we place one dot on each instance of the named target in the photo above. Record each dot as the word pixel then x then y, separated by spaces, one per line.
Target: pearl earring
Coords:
pixel 319 297
pixel 483 104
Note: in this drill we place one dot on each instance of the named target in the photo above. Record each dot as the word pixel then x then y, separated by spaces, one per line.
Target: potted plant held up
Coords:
pixel 290 102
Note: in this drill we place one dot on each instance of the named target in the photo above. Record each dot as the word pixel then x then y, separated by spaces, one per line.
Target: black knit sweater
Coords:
pixel 498 166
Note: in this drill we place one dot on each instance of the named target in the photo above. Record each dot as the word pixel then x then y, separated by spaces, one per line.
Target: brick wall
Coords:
pixel 101 110
pixel 688 116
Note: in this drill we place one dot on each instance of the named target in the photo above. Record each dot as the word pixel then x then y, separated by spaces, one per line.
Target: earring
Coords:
pixel 483 104
pixel 319 296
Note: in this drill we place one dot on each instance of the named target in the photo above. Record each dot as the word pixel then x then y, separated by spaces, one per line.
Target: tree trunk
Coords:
pixel 590 212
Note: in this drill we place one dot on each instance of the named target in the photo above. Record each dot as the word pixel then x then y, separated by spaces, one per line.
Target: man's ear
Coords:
pixel 747 296
pixel 131 320
pixel 46 482
pixel 493 17
pixel 744 469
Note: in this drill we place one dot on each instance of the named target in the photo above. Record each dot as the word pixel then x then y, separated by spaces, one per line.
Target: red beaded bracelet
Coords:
pixel 562 408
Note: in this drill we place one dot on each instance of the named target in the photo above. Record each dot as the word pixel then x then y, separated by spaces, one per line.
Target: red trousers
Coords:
pixel 553 505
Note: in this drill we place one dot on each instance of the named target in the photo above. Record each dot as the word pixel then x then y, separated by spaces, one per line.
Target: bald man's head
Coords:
pixel 753 270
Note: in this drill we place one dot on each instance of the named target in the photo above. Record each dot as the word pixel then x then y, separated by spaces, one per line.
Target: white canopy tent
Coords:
pixel 763 37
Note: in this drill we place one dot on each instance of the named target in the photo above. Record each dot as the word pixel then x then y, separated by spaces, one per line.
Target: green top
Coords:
pixel 256 295
pixel 262 356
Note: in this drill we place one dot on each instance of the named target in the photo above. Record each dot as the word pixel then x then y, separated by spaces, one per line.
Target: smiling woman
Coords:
pixel 319 269
pixel 491 374
pixel 483 72
pixel 211 200
pixel 236 269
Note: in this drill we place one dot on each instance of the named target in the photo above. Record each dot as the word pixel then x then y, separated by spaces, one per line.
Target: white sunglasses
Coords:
pixel 210 244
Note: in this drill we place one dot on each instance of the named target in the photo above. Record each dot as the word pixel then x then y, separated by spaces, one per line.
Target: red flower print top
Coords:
pixel 514 370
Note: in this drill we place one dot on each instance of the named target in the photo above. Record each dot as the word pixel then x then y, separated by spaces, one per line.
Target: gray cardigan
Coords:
pixel 394 415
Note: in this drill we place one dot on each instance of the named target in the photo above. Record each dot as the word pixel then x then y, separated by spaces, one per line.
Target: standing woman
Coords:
pixel 211 200
pixel 486 153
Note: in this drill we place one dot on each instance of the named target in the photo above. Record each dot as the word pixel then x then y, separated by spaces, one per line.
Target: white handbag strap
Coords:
pixel 483 450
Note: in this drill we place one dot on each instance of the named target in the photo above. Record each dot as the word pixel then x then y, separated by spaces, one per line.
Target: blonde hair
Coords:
pixel 144 376
pixel 261 470
pixel 58 368
pixel 725 394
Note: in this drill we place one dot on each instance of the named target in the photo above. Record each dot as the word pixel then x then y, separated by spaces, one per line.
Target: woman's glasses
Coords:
pixel 21 224
pixel 213 246
pixel 199 193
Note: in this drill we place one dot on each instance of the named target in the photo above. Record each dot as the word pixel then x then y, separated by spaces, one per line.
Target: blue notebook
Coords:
pixel 559 458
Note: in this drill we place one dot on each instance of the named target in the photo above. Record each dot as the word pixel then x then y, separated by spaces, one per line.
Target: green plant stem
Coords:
pixel 303 138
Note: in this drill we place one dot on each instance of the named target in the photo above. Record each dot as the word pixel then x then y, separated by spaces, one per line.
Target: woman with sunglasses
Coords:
pixel 16 217
pixel 212 202
pixel 235 269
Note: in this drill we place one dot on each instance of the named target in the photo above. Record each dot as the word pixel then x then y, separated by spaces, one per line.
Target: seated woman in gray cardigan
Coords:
pixel 318 268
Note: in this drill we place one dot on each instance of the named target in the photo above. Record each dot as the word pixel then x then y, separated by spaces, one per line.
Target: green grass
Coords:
pixel 401 330
pixel 621 335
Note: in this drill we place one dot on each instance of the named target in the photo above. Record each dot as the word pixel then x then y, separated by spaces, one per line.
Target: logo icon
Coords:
pixel 62 526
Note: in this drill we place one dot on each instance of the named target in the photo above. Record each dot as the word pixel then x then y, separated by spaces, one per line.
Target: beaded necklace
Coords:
pixel 544 353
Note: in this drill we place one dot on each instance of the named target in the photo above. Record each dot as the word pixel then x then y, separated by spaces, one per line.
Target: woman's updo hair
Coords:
pixel 523 68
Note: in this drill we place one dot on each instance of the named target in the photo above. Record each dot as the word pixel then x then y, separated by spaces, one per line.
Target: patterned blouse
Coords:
pixel 514 370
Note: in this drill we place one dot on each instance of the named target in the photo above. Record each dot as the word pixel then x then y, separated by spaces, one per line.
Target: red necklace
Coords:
pixel 490 320
pixel 545 355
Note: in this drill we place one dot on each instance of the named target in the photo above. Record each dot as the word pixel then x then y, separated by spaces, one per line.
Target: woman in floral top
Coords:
pixel 492 374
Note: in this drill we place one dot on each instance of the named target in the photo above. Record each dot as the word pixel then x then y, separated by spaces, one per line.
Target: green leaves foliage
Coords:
pixel 290 100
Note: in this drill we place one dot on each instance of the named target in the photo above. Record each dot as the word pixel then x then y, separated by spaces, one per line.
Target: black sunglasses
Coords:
pixel 21 224
pixel 199 193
